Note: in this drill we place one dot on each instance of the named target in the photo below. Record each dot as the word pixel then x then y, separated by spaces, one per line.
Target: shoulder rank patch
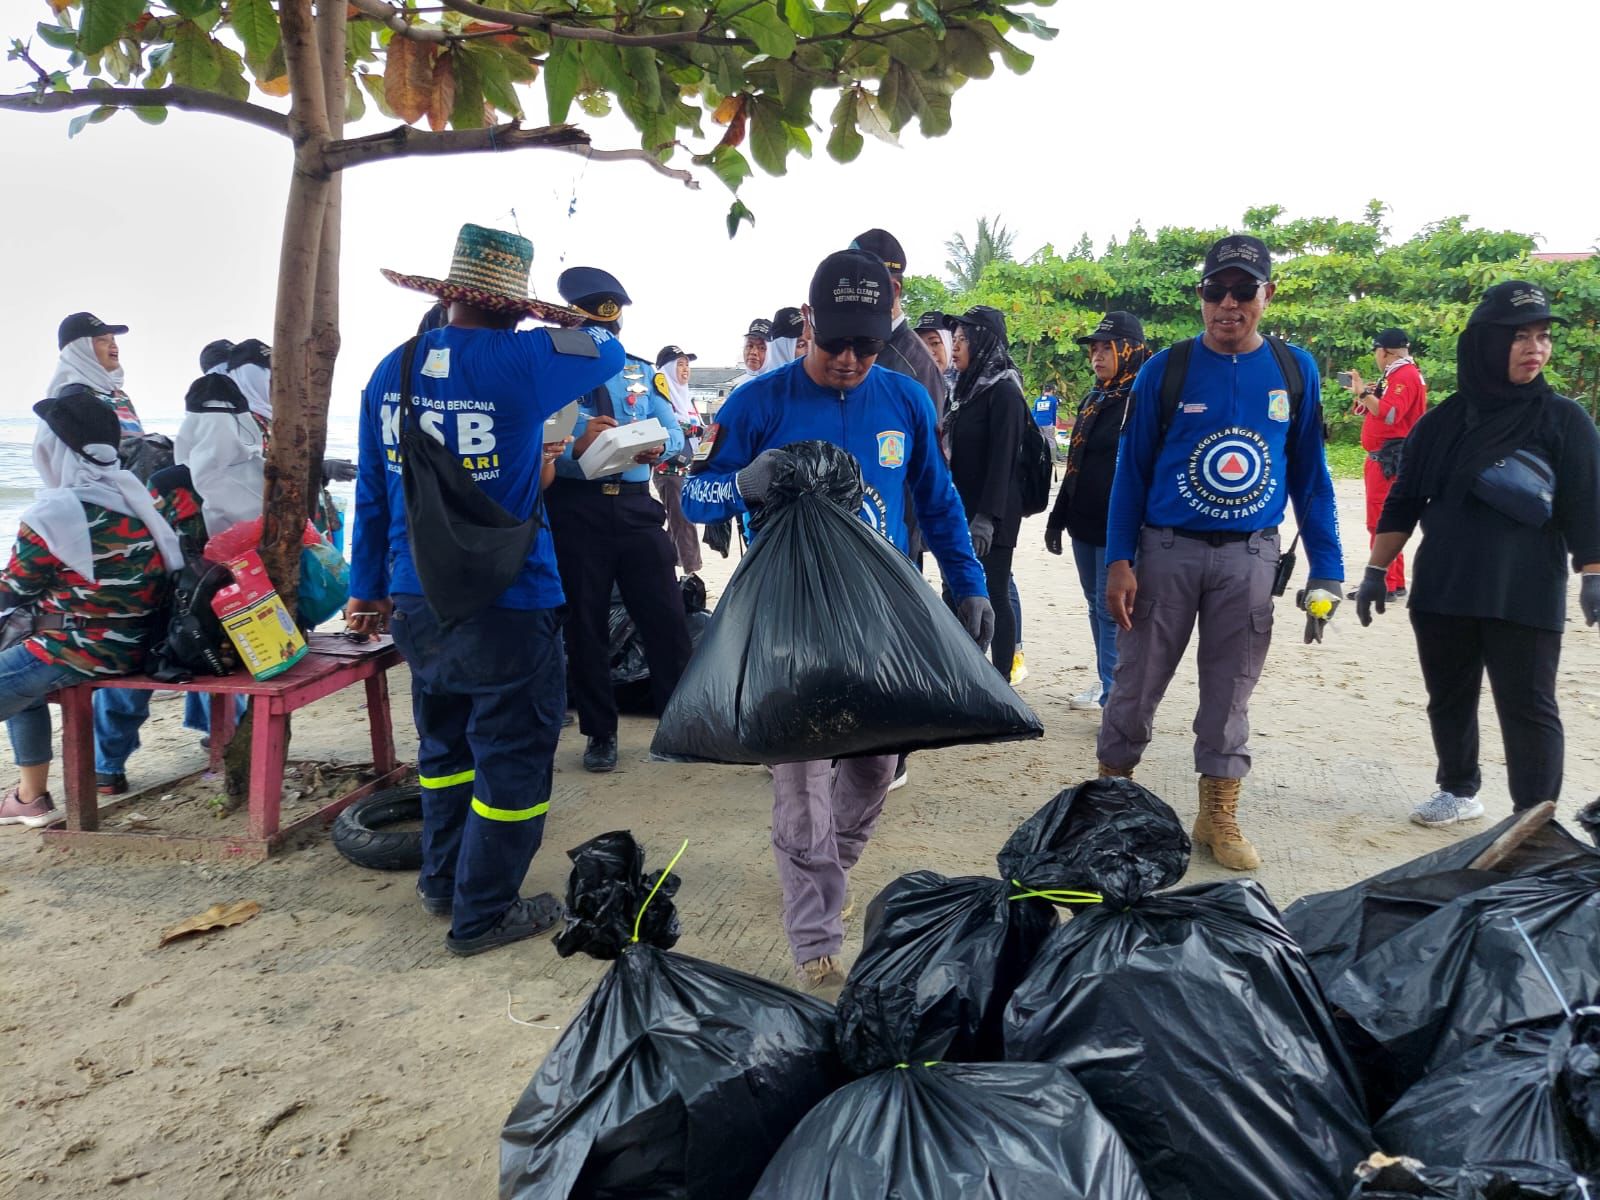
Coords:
pixel 575 342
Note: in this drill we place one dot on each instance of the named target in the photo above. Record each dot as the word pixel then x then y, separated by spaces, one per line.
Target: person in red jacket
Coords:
pixel 1389 409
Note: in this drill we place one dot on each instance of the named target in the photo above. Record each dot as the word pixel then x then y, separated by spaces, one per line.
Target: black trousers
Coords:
pixel 1522 662
pixel 603 541
pixel 997 582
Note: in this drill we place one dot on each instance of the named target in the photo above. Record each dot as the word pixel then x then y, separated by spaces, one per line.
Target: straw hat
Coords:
pixel 489 269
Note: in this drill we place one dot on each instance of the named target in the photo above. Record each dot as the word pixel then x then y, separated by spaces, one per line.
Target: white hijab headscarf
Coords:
pixel 72 480
pixel 226 461
pixel 79 365
pixel 682 404
pixel 780 353
pixel 255 381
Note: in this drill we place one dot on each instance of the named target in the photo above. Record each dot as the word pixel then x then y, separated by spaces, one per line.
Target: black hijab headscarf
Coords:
pixel 988 355
pixel 1128 356
pixel 1486 417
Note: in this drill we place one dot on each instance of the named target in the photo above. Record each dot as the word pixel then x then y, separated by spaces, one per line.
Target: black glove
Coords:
pixel 1589 599
pixel 982 529
pixel 1315 590
pixel 1052 540
pixel 977 614
pixel 338 470
pixel 1373 593
pixel 755 481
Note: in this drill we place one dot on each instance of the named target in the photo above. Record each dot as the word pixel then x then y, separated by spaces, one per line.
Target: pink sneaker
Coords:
pixel 35 814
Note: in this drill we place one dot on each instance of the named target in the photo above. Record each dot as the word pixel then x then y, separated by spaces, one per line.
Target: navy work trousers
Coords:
pixel 488 696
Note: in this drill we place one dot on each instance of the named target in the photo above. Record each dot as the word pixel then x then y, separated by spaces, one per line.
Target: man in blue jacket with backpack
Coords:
pixel 1223 430
pixel 823 814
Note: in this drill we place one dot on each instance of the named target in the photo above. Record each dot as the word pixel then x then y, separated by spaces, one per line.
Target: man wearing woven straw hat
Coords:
pixel 611 532
pixel 474 606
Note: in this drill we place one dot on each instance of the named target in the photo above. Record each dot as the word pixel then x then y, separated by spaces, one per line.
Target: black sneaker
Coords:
pixel 435 906
pixel 111 785
pixel 1398 594
pixel 524 919
pixel 601 756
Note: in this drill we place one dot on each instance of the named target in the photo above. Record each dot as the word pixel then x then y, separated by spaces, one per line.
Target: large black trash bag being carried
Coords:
pixel 1525 1094
pixel 940 957
pixel 827 643
pixel 955 1131
pixel 677 1080
pixel 1463 974
pixel 1194 1022
pixel 1336 928
pixel 1407 1179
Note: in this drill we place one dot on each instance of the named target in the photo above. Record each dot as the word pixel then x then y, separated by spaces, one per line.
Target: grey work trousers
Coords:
pixel 822 815
pixel 1228 587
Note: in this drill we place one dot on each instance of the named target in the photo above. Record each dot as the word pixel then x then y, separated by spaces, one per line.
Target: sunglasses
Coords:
pixel 865 347
pixel 1242 292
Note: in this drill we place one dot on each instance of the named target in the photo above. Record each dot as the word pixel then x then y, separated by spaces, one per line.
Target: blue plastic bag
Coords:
pixel 324 584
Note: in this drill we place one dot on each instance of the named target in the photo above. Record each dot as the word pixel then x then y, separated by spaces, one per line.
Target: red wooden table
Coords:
pixel 332 664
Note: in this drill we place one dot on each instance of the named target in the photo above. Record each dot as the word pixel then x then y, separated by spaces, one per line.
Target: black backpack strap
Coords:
pixel 408 358
pixel 1172 384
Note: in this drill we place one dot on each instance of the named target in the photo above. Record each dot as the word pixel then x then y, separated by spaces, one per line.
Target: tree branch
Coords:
pixel 393 18
pixel 308 99
pixel 579 33
pixel 188 99
pixel 403 141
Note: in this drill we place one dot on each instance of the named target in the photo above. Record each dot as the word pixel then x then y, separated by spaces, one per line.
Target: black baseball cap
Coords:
pixel 1248 254
pixel 886 246
pixel 982 316
pixel 787 323
pixel 760 328
pixel 851 297
pixel 1114 327
pixel 933 319
pixel 1514 302
pixel 82 325
pixel 251 351
pixel 667 353
pixel 80 418
pixel 1391 339
pixel 215 353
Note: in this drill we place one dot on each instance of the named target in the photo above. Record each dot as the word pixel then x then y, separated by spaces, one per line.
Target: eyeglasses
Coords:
pixel 1242 292
pixel 865 347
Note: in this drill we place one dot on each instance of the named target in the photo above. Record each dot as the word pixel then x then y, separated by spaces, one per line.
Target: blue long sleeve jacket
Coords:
pixel 887 421
pixel 486 394
pixel 635 396
pixel 1232 458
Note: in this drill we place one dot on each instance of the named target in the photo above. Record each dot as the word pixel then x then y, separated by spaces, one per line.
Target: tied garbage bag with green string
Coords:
pixel 955 1131
pixel 940 957
pixel 679 1078
pixel 1193 1021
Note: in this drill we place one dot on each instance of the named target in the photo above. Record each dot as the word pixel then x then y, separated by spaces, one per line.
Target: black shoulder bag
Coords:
pixel 467 549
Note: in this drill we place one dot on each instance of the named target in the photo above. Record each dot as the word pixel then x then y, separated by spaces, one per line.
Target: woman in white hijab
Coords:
pixel 786 345
pixel 222 444
pixel 672 373
pixel 90 356
pixel 89 567
pixel 250 366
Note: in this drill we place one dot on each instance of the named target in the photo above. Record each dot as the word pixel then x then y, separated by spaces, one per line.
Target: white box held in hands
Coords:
pixel 615 449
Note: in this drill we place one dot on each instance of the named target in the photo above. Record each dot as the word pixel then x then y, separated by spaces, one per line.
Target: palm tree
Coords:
pixel 966 263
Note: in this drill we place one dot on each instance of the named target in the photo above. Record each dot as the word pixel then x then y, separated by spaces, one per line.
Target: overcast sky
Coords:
pixel 1174 113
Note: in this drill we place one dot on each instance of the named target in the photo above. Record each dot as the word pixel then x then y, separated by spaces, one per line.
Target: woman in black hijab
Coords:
pixel 983 430
pixel 1504 477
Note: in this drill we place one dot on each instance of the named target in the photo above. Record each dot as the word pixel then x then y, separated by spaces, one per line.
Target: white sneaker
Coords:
pixel 1088 698
pixel 1443 808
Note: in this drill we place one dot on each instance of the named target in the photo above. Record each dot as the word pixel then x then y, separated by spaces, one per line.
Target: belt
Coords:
pixel 1221 537
pixel 607 487
pixel 55 622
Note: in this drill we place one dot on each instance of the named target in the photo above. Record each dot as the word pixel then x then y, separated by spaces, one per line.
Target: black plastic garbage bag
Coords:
pixel 1463 974
pixel 1336 928
pixel 1521 1095
pixel 955 1131
pixel 1490 1180
pixel 607 893
pixel 677 1080
pixel 827 643
pixel 940 957
pixel 1195 1024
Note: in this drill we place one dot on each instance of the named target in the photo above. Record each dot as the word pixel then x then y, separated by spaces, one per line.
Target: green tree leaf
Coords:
pixel 104 21
pixel 467 111
pixel 797 16
pixel 727 164
pixel 845 142
pixel 196 60
pixel 769 137
pixel 256 23
pixel 560 80
pixel 193 9
pixel 78 124
pixel 151 115
pixel 57 37
pixel 762 25
pixel 928 12
pixel 640 64
pixel 736 214
pixel 871 118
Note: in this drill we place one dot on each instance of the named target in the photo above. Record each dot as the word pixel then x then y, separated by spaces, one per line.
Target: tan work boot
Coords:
pixel 821 974
pixel 1217 826
pixel 1109 772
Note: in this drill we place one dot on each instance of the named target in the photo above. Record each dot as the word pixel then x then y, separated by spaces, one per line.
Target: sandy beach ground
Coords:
pixel 332 1048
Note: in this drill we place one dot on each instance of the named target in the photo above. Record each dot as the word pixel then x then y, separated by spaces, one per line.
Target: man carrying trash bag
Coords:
pixel 822 813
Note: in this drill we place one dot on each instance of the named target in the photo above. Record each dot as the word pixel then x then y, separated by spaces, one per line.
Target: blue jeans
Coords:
pixel 119 713
pixel 1091 560
pixel 488 696
pixel 1016 608
pixel 24 683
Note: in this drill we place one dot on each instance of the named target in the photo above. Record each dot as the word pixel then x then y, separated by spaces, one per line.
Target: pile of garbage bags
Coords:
pixel 1079 1027
pixel 828 643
